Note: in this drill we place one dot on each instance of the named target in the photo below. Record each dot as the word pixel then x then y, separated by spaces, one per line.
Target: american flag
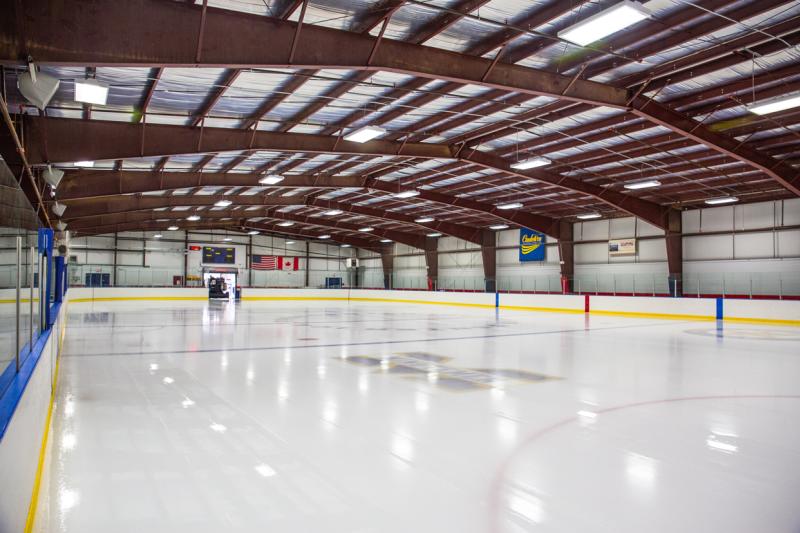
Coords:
pixel 274 262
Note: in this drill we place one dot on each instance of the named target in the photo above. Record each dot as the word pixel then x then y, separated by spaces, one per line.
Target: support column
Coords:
pixel 674 239
pixel 308 264
pixel 114 271
pixel 387 260
pixel 489 256
pixel 249 262
pixel 432 262
pixel 566 252
pixel 185 257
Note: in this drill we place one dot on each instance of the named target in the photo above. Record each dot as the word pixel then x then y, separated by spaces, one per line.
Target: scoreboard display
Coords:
pixel 219 256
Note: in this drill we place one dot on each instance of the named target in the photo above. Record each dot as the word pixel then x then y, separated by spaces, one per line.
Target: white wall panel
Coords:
pixel 707 247
pixel 753 245
pixel 621 228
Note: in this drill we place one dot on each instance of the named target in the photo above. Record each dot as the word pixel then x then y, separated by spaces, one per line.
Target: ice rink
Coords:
pixel 336 417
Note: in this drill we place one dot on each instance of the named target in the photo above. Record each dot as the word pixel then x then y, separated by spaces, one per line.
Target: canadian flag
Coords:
pixel 290 263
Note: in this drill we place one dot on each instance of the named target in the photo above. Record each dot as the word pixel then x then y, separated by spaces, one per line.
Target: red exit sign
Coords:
pixel 194 248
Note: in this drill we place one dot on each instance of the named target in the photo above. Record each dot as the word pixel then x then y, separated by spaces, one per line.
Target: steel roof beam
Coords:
pixel 101 34
pixel 85 184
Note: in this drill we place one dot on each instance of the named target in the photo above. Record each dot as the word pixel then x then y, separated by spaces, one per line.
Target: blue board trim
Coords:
pixel 719 308
pixel 13 394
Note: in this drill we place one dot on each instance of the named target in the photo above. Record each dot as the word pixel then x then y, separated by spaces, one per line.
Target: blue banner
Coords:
pixel 531 245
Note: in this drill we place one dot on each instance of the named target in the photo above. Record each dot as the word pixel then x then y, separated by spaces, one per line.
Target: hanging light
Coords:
pixel 272 179
pixel 367 133
pixel 608 21
pixel 38 88
pixel 52 176
pixel 91 91
pixel 531 162
pixel 59 208
pixel 513 205
pixel 722 200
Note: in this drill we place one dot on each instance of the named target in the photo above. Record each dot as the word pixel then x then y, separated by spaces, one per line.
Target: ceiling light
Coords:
pixel 434 234
pixel 642 184
pixel 723 200
pixel 386 240
pixel 513 205
pixel 52 176
pixel 173 228
pixel 157 236
pixel 227 239
pixel 423 220
pixel 774 105
pixel 61 225
pixel 589 216
pixel 271 179
pixel 345 246
pixel 608 21
pixel 365 230
pixel 289 242
pixel 193 218
pixel 84 164
pixel 254 232
pixel 59 208
pixel 406 194
pixel 324 237
pixel 332 212
pixel 36 87
pixel 362 135
pixel 531 162
pixel 499 226
pixel 223 203
pixel 90 91
pixel 285 224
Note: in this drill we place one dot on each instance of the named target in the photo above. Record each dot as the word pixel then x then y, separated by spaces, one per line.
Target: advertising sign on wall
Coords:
pixel 531 245
pixel 622 247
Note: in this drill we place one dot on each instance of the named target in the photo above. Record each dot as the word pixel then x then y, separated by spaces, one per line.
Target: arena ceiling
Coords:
pixel 208 98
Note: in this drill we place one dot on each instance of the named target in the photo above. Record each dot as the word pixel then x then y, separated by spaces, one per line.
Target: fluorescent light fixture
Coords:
pixel 589 216
pixel 386 240
pixel 36 87
pixel 286 224
pixel 289 242
pixel 642 184
pixel 84 164
pixel 271 179
pixel 59 208
pixel 227 239
pixel 723 200
pixel 774 105
pixel 52 176
pixel 434 234
pixel 531 162
pixel 367 133
pixel 499 226
pixel 366 230
pixel 423 220
pixel 193 218
pixel 223 203
pixel 332 212
pixel 345 246
pixel 157 236
pixel 608 21
pixel 406 194
pixel 90 91
pixel 324 237
pixel 513 205
pixel 254 232
pixel 173 228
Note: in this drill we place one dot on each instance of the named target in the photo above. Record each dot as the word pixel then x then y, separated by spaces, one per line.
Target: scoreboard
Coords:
pixel 219 256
